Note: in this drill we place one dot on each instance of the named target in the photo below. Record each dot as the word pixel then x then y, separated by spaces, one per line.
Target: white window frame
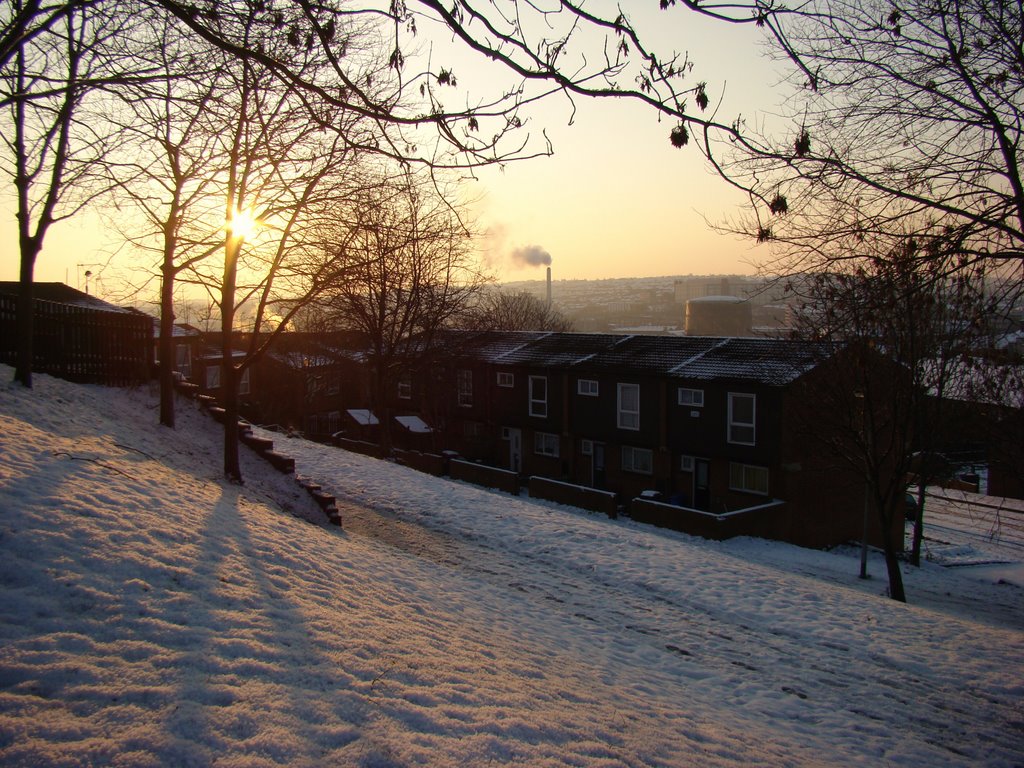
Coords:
pixel 586 447
pixel 243 383
pixel 587 387
pixel 538 406
pixel 545 444
pixel 737 430
pixel 691 397
pixel 213 376
pixel 748 478
pixel 506 379
pixel 405 388
pixel 628 418
pixel 464 382
pixel 634 459
pixel 686 463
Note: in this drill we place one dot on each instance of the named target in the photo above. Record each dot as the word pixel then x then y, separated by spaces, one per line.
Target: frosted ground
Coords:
pixel 152 614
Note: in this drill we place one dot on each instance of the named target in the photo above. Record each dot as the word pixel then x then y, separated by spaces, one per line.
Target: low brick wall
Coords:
pixel 762 521
pixel 489 477
pixel 573 495
pixel 430 463
pixel 357 446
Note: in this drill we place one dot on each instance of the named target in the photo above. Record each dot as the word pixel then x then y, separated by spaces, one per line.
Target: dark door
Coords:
pixel 599 473
pixel 701 485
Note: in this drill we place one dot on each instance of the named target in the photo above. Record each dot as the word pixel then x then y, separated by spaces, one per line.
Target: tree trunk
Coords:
pixel 892 566
pixel 26 317
pixel 892 560
pixel 915 547
pixel 383 411
pixel 228 384
pixel 167 347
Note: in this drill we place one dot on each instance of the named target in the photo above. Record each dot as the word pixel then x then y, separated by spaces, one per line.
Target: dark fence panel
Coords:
pixel 480 474
pixel 80 343
pixel 764 521
pixel 574 495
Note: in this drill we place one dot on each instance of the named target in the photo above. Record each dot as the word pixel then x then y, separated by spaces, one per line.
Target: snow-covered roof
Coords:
pixel 63 294
pixel 363 416
pixel 414 424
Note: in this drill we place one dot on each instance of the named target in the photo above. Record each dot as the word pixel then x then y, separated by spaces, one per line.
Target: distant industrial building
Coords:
pixel 733 305
pixel 718 316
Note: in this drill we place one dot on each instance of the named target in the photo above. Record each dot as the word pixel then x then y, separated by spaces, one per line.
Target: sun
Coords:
pixel 243 224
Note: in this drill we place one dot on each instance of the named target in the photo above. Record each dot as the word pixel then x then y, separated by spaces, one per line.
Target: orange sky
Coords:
pixel 616 199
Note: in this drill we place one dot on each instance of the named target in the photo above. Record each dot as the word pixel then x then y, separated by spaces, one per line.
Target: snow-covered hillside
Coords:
pixel 152 614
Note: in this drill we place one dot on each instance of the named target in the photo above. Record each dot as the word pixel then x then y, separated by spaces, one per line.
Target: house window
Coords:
pixel 586 387
pixel 243 383
pixel 741 418
pixel 640 460
pixel 744 477
pixel 405 388
pixel 545 444
pixel 692 397
pixel 333 383
pixel 629 406
pixel 183 360
pixel 465 382
pixel 587 447
pixel 506 379
pixel 539 396
pixel 213 376
pixel 686 463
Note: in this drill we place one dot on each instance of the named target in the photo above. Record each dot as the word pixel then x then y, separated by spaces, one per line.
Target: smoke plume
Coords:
pixel 531 256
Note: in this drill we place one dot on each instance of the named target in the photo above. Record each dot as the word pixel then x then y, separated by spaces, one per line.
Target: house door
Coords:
pixel 701 485
pixel 515 450
pixel 598 465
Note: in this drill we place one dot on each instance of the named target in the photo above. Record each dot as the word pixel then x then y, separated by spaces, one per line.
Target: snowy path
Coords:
pixel 154 615
pixel 795 676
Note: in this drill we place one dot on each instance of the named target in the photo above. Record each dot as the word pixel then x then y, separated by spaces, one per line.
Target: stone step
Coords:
pixel 280 462
pixel 259 444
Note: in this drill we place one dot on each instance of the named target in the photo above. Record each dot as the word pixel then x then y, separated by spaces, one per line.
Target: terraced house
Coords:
pixel 707 424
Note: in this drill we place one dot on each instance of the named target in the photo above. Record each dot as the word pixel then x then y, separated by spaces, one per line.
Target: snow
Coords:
pixel 155 615
pixel 414 424
pixel 363 416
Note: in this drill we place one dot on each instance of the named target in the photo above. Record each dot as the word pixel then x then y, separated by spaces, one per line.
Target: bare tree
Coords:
pixel 167 168
pixel 515 311
pixel 48 150
pixel 281 171
pixel 563 49
pixel 403 257
pixel 904 122
pixel 911 336
pixel 864 408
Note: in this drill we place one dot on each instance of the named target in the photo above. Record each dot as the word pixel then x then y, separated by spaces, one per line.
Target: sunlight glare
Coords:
pixel 243 224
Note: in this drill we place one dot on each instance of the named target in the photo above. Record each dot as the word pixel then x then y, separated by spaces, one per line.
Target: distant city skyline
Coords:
pixel 615 200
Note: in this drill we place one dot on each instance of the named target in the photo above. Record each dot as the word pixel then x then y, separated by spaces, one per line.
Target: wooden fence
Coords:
pixel 81 343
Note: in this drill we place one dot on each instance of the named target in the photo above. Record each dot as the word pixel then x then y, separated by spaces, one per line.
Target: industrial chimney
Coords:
pixel 549 286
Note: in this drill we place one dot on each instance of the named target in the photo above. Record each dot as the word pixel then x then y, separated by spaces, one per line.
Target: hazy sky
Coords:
pixel 616 199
